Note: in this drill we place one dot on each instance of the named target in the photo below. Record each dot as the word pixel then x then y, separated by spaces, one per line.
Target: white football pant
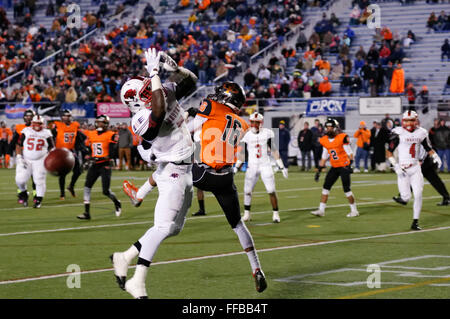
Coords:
pixel 251 178
pixel 35 168
pixel 414 180
pixel 175 193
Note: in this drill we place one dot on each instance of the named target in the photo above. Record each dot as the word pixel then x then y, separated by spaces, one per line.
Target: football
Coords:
pixel 59 161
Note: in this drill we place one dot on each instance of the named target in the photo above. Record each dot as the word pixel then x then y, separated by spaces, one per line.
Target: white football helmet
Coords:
pixel 256 121
pixel 136 93
pixel 409 120
pixel 37 123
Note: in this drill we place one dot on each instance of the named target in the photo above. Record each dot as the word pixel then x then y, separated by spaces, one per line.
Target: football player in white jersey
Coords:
pixel 159 120
pixel 259 142
pixel 33 146
pixel 408 138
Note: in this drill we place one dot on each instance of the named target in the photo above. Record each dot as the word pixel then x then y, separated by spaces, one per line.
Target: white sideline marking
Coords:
pixel 228 254
pixel 190 218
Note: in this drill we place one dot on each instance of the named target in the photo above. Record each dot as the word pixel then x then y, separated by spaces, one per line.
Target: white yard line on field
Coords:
pixel 13 281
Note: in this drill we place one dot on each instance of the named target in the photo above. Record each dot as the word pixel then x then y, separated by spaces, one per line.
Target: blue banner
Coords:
pixel 86 110
pixel 328 107
pixel 16 111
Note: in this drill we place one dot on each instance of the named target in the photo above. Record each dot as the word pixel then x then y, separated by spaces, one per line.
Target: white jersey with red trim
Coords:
pixel 173 142
pixel 35 145
pixel 409 144
pixel 258 146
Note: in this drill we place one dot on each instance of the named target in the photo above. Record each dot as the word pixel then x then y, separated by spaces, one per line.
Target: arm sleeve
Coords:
pixel 427 144
pixel 21 139
pixel 50 142
pixel 325 154
pixel 15 139
pixel 54 132
pixel 393 142
pixel 348 149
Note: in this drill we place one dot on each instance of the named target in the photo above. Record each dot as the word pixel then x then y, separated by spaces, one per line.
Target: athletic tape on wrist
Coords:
pixel 156 83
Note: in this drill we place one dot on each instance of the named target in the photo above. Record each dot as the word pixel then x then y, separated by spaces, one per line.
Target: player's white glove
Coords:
pixel 20 161
pixel 285 172
pixel 152 58
pixel 146 154
pixel 235 169
pixel 437 160
pixel 399 171
pixel 169 64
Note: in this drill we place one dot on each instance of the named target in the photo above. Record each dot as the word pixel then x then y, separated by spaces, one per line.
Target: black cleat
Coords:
pixel 71 191
pixel 260 280
pixel 199 213
pixel 415 226
pixel 85 216
pixel 445 202
pixel 120 280
pixel 399 200
pixel 37 203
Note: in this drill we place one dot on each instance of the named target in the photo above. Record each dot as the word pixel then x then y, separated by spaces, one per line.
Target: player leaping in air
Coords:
pixel 336 147
pixel 259 142
pixel 159 120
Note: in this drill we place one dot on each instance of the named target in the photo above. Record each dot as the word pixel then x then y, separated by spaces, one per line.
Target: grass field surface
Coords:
pixel 303 256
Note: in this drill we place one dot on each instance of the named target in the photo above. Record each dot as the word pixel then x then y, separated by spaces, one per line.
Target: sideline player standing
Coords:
pixel 336 147
pixel 259 142
pixel 408 138
pixel 221 131
pixel 67 134
pixel 34 144
pixel 159 120
pixel 101 142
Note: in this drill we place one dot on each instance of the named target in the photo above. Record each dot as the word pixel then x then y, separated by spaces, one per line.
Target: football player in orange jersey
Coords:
pixel 221 131
pixel 336 147
pixel 101 141
pixel 5 133
pixel 67 134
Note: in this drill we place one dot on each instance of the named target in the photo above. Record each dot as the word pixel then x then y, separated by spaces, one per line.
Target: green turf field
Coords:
pixel 303 257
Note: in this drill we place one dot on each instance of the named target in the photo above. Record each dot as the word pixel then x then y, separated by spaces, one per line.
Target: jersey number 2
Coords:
pixel 334 155
pixel 32 145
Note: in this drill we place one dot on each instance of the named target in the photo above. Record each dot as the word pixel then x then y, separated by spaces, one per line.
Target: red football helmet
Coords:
pixel 37 123
pixel 409 120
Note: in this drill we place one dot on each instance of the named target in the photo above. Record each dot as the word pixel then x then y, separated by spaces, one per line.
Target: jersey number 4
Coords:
pixel 35 144
pixel 232 135
pixel 412 150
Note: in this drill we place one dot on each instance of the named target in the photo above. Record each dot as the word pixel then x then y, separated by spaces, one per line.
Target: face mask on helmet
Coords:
pixel 66 117
pixel 409 121
pixel 136 94
pixel 37 123
pixel 256 121
pixel 28 116
pixel 331 128
pixel 101 123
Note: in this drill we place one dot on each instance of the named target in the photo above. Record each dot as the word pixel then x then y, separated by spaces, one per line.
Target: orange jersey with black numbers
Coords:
pixel 66 134
pixel 100 142
pixel 335 148
pixel 220 135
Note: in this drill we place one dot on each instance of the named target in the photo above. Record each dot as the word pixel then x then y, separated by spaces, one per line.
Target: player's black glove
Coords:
pixel 349 167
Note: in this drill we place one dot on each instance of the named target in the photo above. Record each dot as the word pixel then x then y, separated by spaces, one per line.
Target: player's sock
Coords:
pixel 87 208
pixel 201 204
pixel 353 207
pixel 131 253
pixel 246 240
pixel 322 206
pixel 144 190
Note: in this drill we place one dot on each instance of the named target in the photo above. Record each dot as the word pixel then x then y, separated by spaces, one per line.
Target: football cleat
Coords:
pixel 276 217
pixel 85 216
pixel 23 198
pixel 118 210
pixel 356 170
pixel 71 191
pixel 445 202
pixel 37 203
pixel 62 198
pixel 399 200
pixel 199 213
pixel 260 280
pixel 353 214
pixel 318 213
pixel 415 226
pixel 246 216
pixel 131 191
pixel 120 269
pixel 136 289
